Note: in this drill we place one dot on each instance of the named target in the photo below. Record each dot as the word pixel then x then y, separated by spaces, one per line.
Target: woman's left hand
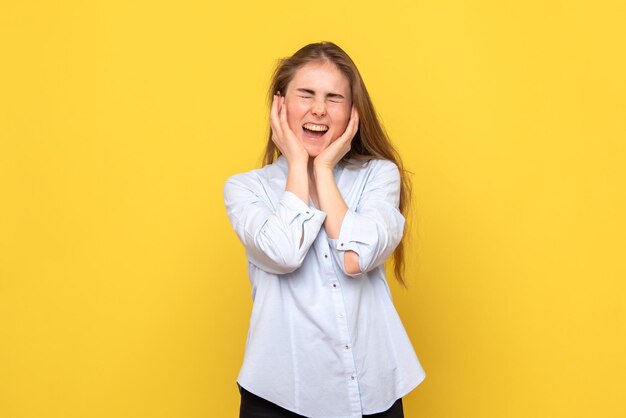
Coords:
pixel 340 147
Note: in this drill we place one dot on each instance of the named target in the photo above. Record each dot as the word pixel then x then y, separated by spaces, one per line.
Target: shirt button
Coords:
pixel 352 377
pixel 325 255
pixel 347 346
pixel 341 244
pixel 334 284
pixel 307 212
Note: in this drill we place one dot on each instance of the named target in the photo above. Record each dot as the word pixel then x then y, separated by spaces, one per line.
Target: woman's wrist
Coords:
pixel 321 169
pixel 296 160
pixel 297 164
pixel 297 180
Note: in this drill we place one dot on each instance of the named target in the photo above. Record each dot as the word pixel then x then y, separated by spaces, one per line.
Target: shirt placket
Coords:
pixel 344 345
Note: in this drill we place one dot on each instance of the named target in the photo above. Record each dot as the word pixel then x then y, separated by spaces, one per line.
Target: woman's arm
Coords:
pixel 330 199
pixel 277 236
pixel 373 229
pixel 332 203
pixel 290 147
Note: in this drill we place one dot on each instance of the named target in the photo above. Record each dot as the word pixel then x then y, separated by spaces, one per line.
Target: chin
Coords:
pixel 314 149
pixel 314 152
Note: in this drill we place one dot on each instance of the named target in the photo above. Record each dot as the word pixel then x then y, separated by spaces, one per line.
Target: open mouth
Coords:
pixel 313 130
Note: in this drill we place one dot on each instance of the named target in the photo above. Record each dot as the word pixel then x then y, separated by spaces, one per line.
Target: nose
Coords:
pixel 319 108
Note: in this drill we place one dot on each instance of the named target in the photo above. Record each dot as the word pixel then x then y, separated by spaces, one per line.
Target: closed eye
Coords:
pixel 335 97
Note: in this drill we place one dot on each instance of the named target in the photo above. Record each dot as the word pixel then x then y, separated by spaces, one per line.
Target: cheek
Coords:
pixel 294 116
pixel 341 119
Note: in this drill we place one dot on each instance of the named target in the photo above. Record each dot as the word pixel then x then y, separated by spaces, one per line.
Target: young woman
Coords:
pixel 318 222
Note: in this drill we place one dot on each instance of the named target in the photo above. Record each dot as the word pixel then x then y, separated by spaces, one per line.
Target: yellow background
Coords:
pixel 123 289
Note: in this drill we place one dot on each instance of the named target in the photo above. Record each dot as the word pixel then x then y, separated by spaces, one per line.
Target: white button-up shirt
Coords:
pixel 321 342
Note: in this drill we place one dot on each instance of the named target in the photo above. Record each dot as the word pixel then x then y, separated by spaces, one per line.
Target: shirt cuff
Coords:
pixel 347 234
pixel 298 207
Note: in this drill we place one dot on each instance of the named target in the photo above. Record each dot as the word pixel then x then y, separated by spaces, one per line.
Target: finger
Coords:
pixel 274 120
pixel 354 120
pixel 273 109
pixel 283 117
pixel 352 127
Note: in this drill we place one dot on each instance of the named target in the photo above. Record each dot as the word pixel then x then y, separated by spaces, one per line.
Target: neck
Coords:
pixel 310 169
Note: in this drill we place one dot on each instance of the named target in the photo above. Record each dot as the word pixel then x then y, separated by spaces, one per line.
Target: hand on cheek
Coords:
pixel 283 136
pixel 340 147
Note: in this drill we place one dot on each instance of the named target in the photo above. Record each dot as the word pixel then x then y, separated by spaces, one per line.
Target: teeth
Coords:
pixel 314 127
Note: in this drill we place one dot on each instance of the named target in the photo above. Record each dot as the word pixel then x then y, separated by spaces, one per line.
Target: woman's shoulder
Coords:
pixel 370 164
pixel 258 175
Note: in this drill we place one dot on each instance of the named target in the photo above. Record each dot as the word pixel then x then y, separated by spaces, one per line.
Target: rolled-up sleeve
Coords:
pixel 375 227
pixel 276 238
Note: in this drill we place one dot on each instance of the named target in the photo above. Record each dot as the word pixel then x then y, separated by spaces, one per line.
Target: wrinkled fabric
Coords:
pixel 321 342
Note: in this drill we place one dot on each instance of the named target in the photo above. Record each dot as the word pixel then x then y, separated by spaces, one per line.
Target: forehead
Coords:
pixel 321 76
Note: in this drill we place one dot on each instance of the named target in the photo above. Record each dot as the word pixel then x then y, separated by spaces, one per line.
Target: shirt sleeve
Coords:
pixel 375 227
pixel 276 239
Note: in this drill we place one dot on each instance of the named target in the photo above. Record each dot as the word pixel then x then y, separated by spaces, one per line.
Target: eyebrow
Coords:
pixel 312 93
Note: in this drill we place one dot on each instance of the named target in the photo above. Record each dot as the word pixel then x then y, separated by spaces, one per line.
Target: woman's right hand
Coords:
pixel 282 135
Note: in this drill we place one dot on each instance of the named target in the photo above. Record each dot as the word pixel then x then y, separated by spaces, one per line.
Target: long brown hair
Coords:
pixel 370 142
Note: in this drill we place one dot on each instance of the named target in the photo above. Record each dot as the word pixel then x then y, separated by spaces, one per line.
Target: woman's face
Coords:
pixel 319 103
